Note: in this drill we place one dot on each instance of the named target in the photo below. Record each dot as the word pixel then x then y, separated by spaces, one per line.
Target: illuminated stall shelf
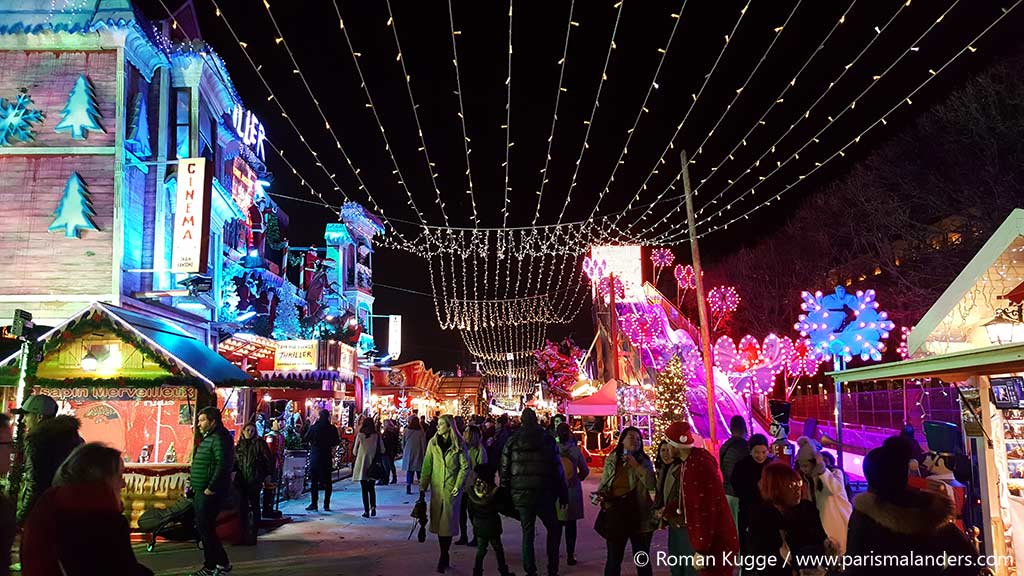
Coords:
pixel 136 383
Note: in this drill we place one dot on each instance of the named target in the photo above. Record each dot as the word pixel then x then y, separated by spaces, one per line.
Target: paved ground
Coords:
pixel 342 542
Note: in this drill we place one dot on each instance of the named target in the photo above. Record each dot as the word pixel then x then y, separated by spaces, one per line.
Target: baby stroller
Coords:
pixel 174 523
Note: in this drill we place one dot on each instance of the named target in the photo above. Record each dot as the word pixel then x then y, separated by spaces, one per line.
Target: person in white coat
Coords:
pixel 368 443
pixel 828 491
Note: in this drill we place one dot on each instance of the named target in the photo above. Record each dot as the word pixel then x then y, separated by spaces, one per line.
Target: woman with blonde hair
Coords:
pixel 444 473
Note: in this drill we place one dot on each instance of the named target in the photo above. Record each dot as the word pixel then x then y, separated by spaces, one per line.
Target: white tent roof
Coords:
pixel 954 323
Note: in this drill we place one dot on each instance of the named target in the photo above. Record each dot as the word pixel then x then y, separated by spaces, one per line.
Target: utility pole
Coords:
pixel 702 304
pixel 614 321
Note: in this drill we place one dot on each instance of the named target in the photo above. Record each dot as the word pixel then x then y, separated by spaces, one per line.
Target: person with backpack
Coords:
pixel 576 471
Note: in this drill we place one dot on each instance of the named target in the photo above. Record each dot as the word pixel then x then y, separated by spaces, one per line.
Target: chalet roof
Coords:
pixel 165 338
pixel 36 16
pixel 955 321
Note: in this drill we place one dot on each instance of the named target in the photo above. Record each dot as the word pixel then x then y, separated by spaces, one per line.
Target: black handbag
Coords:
pixel 379 467
pixel 623 513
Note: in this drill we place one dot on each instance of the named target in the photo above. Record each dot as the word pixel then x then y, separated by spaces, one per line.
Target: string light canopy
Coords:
pixel 531 271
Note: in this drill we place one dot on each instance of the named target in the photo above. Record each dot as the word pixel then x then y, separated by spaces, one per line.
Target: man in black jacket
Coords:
pixel 49 439
pixel 532 470
pixel 210 480
pixel 322 437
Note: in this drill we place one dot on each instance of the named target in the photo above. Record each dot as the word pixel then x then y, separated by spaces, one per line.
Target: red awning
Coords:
pixel 604 402
pixel 1016 295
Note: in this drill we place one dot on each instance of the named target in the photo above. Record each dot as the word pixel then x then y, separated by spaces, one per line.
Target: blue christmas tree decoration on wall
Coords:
pixel 138 128
pixel 75 211
pixel 81 115
pixel 16 119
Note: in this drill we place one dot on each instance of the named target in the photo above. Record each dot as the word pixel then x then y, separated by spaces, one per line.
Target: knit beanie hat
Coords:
pixel 807 450
pixel 886 468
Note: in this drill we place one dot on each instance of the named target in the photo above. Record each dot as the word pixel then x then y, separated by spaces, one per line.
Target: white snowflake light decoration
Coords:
pixel 16 120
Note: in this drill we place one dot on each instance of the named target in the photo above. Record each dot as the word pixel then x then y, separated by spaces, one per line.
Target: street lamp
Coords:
pixel 1007 325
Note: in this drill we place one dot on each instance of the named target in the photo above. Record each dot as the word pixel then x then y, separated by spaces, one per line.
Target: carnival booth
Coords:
pixel 135 382
pixel 295 380
pixel 598 412
pixel 971 344
pixel 403 389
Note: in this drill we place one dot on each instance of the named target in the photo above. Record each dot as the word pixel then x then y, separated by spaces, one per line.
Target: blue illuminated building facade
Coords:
pixel 97 107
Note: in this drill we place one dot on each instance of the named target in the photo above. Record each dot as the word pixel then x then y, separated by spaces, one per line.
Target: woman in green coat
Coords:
pixel 444 473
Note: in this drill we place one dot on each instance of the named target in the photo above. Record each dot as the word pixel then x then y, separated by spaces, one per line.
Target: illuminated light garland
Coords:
pixel 728 108
pixel 844 325
pixel 662 257
pixel 652 86
pixel 641 329
pixel 593 111
pixel 508 117
pixel 686 277
pixel 805 360
pixel 397 172
pixel 415 111
pixel 752 367
pixel 554 117
pixel 309 148
pixel 969 47
pixel 723 299
pixel 781 97
pixel 670 239
pixel 165 43
pixel 462 113
pixel 911 49
pixel 777 100
pixel 316 103
pixel 498 342
pixel 689 110
pixel 904 349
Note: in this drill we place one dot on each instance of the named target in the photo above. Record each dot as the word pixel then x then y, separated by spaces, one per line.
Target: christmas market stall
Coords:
pixel 135 382
pixel 970 345
pixel 295 380
pixel 403 389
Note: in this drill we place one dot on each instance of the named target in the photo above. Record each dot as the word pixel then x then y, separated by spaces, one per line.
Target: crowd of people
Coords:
pixel 475 471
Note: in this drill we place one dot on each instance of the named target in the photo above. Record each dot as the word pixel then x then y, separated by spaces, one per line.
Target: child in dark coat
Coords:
pixel 483 511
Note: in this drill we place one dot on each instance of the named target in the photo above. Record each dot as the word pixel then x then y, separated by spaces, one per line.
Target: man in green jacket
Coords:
pixel 210 479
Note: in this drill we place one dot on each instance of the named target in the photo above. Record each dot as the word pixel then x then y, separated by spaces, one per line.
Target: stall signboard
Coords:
pixel 296 355
pixel 93 393
pixel 395 336
pixel 191 217
pixel 346 359
pixel 626 262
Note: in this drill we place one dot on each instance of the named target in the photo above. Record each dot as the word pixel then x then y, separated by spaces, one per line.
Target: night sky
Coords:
pixel 311 30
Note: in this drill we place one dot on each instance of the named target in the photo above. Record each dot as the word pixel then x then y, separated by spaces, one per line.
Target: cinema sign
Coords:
pixel 191 217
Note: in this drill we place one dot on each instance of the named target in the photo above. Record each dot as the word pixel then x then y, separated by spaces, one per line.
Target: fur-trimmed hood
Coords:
pixel 918 513
pixel 46 430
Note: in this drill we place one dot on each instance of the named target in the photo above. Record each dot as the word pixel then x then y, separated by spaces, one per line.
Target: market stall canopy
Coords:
pixel 956 321
pixel 952 367
pixel 460 386
pixel 604 402
pixel 163 338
